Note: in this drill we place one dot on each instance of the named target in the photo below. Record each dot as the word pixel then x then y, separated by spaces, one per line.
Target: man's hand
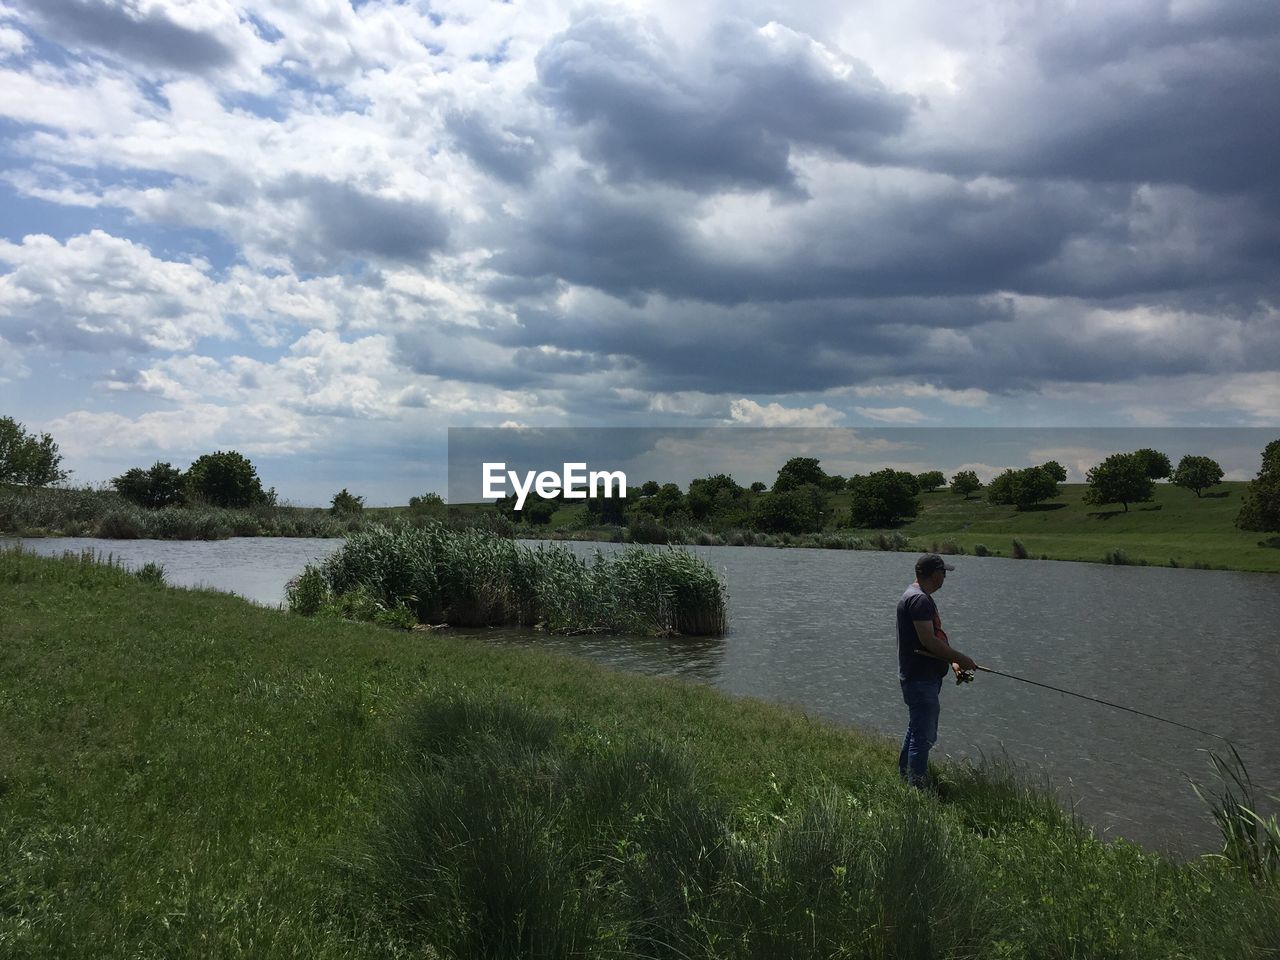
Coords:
pixel 963 662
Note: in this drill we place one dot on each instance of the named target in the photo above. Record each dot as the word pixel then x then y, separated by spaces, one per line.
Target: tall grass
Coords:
pixel 474 578
pixel 1251 842
pixel 515 832
pixel 104 513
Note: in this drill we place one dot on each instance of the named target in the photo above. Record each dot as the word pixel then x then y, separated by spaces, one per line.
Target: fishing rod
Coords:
pixel 1071 693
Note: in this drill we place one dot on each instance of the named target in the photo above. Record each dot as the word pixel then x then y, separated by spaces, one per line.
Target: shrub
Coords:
pixel 119 525
pixel 345 503
pixel 307 592
pixel 151 573
pixel 980 550
pixel 1019 551
pixel 225 479
pixel 1117 557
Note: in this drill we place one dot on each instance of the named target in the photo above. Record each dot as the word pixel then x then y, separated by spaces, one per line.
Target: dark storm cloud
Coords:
pixel 480 355
pixel 150 38
pixel 994 343
pixel 511 155
pixel 944 238
pixel 727 118
pixel 1125 94
pixel 348 221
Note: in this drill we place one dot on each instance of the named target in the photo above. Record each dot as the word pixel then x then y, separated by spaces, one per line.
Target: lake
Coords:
pixel 815 629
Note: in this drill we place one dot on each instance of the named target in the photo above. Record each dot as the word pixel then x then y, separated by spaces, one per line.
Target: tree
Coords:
pixel 225 479
pixel 27 459
pixel 1055 470
pixel 1154 463
pixel 1033 485
pixel 759 487
pixel 798 510
pixel 965 482
pixel 931 480
pixel 538 511
pixel 430 504
pixel 883 498
pixel 1022 488
pixel 159 486
pixel 797 472
pixel 609 510
pixel 704 491
pixel 345 502
pixel 1000 489
pixel 1260 509
pixel 1197 473
pixel 1121 478
pixel 649 488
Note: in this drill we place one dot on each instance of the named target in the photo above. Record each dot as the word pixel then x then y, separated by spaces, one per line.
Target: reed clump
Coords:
pixel 471 578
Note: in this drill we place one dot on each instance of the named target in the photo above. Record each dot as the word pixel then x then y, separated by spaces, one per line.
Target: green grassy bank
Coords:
pixel 1175 528
pixel 185 774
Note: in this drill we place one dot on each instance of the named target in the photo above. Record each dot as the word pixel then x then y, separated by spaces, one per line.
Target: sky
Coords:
pixel 324 232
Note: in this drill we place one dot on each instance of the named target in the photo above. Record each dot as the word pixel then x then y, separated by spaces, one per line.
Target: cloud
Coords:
pixel 750 413
pixel 174 36
pixel 512 155
pixel 905 415
pixel 12 42
pixel 99 292
pixel 726 114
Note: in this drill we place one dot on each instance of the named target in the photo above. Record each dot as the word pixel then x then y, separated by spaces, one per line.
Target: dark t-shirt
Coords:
pixel 917 605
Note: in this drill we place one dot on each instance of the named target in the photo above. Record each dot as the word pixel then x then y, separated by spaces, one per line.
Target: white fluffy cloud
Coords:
pixel 749 413
pixel 98 290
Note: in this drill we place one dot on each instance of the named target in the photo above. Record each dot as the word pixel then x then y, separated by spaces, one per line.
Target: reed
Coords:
pixel 469 577
pixel 1251 842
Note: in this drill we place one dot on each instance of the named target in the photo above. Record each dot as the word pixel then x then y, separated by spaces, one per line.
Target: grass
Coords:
pixel 435 574
pixel 72 512
pixel 1175 529
pixel 183 773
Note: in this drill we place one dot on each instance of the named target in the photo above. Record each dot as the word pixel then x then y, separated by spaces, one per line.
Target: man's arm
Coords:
pixel 939 647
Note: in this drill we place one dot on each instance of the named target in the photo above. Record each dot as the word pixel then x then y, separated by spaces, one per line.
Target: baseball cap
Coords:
pixel 931 563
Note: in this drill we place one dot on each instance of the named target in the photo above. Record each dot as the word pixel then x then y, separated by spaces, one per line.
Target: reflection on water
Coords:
pixel 690 658
pixel 814 628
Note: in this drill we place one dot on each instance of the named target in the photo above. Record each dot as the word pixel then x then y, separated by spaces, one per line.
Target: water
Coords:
pixel 815 629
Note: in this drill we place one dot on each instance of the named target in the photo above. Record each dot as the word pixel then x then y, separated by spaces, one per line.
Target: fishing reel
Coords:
pixel 964 676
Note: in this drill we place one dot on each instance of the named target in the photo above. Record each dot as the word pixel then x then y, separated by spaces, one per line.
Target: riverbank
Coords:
pixel 221 778
pixel 1174 529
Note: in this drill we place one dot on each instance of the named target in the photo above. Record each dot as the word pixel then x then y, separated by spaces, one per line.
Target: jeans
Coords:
pixel 921 698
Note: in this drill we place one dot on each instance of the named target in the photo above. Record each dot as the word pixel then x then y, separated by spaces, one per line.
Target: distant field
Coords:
pixel 1175 526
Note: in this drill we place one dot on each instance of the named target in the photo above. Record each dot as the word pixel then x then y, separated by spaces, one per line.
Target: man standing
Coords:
pixel 920 628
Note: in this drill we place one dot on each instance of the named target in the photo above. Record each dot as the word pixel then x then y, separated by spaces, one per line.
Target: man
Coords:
pixel 920 628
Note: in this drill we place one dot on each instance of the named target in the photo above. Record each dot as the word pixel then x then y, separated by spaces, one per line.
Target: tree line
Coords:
pixel 799 500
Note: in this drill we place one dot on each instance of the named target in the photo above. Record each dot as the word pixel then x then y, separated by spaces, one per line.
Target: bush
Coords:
pixel 1117 557
pixel 307 592
pixel 151 573
pixel 345 503
pixel 225 479
pixel 1019 551
pixel 159 486
pixel 119 525
pixel 980 550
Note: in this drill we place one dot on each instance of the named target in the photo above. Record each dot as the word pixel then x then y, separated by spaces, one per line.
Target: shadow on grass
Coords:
pixel 1041 507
